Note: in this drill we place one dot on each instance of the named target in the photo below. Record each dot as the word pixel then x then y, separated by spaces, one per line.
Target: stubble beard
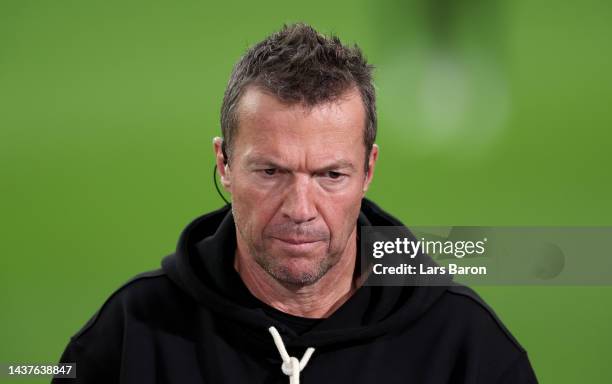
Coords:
pixel 281 273
pixel 273 265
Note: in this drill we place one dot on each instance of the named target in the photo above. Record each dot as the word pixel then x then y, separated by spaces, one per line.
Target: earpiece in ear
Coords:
pixel 224 152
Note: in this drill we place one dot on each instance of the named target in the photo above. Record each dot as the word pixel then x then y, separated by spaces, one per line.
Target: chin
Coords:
pixel 296 278
pixel 298 272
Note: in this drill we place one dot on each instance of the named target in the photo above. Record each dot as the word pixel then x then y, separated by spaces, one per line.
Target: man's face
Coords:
pixel 297 177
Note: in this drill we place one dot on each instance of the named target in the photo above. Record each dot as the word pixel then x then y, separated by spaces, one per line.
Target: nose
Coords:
pixel 299 205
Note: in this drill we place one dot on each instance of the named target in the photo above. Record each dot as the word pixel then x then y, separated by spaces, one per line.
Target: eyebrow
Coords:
pixel 268 162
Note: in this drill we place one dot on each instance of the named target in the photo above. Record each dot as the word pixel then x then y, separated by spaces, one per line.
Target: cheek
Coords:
pixel 253 207
pixel 341 213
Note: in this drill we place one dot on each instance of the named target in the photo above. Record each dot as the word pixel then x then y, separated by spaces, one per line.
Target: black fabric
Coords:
pixel 194 321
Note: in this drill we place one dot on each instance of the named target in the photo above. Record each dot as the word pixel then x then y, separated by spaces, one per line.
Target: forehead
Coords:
pixel 328 129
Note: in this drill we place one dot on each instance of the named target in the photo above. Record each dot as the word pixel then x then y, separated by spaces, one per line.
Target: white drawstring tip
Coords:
pixel 291 365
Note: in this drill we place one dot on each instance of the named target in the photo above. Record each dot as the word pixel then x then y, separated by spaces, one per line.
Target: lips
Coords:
pixel 300 246
pixel 296 241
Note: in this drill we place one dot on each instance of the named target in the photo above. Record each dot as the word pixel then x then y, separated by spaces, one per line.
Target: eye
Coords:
pixel 270 171
pixel 334 175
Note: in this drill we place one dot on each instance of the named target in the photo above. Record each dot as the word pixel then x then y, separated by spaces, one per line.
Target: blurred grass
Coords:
pixel 108 110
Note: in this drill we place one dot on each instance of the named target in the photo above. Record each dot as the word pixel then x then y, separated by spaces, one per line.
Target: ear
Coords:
pixel 371 165
pixel 222 167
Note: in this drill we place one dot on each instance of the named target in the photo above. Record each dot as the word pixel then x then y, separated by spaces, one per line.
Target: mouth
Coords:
pixel 297 244
pixel 296 240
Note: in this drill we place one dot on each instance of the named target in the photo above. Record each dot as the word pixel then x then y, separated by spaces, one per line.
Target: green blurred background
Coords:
pixel 491 113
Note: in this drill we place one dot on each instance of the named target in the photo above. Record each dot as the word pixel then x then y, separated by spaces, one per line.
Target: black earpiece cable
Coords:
pixel 217 185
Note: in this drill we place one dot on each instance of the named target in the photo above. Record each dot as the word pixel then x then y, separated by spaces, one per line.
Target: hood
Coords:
pixel 205 253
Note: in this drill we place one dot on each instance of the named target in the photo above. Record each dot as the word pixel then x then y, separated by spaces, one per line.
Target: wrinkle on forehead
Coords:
pixel 345 109
pixel 298 163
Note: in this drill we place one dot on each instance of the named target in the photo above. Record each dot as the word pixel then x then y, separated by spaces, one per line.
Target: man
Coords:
pixel 269 287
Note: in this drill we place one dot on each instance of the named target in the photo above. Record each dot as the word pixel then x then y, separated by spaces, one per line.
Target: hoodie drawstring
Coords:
pixel 291 365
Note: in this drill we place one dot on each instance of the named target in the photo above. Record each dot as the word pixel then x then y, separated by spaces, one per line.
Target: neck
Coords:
pixel 316 300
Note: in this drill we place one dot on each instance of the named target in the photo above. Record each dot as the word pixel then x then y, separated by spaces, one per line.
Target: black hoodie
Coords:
pixel 194 321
